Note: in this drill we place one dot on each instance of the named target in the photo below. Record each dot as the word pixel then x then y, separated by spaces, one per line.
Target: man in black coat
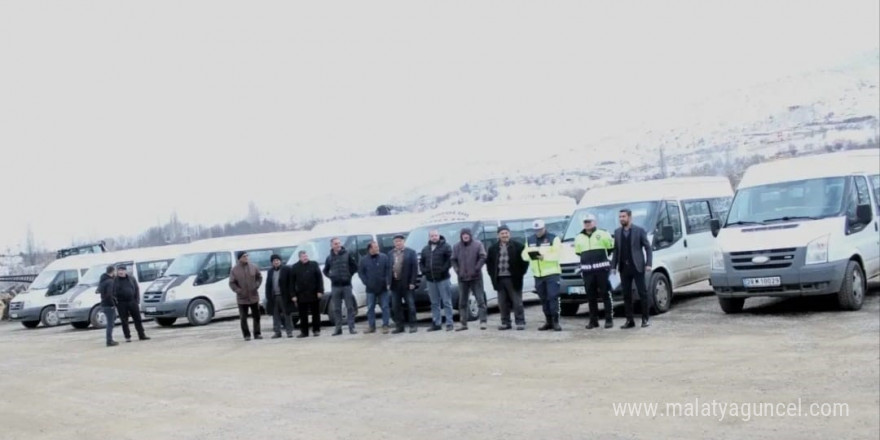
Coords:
pixel 507 270
pixel 306 285
pixel 278 302
pixel 632 257
pixel 340 267
pixel 404 277
pixel 108 302
pixel 128 295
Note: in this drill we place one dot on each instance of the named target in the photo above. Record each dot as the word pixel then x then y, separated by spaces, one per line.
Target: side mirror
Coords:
pixel 864 214
pixel 668 234
pixel 715 226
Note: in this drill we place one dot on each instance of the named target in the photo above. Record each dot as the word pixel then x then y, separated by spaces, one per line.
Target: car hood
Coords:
pixel 776 235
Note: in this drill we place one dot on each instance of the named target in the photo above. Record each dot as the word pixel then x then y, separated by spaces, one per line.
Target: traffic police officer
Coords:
pixel 542 251
pixel 593 246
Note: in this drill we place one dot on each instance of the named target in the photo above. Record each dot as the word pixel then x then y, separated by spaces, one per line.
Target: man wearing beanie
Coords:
pixel 245 280
pixel 507 270
pixel 278 302
pixel 468 258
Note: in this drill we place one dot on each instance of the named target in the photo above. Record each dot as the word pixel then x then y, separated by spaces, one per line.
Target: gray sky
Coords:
pixel 113 114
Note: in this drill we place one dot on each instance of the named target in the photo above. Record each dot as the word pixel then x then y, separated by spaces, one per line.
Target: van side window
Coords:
pixel 363 245
pixel 150 270
pixel 63 282
pixel 224 265
pixel 858 195
pixel 217 267
pixel 698 216
pixel 261 258
pixel 489 235
pixel 720 206
pixel 674 219
pixel 875 185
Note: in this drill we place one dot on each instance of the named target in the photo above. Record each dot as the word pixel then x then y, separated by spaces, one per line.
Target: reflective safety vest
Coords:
pixel 550 247
pixel 593 250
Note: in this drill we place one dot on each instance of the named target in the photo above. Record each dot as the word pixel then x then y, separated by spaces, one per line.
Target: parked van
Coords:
pixel 675 212
pixel 196 285
pixel 803 226
pixel 483 219
pixel 39 304
pixel 80 307
pixel 356 235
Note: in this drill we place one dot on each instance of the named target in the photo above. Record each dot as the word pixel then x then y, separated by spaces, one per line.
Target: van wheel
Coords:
pixel 661 290
pixel 852 293
pixel 166 322
pixel 82 325
pixel 30 324
pixel 49 317
pixel 731 305
pixel 344 311
pixel 569 309
pixel 98 318
pixel 200 312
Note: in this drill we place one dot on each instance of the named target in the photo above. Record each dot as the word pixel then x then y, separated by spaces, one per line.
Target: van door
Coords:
pixel 864 237
pixel 671 255
pixel 213 281
pixel 698 239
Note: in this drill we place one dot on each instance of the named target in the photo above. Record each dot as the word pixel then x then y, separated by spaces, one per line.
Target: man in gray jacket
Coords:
pixel 468 258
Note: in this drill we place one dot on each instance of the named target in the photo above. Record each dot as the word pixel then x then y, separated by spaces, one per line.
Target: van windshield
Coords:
pixel 418 237
pixel 607 217
pixel 44 279
pixel 93 275
pixel 801 199
pixel 187 265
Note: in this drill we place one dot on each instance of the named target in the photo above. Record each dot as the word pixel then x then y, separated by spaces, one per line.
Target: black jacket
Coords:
pixel 105 289
pixel 340 268
pixel 305 282
pixel 375 273
pixel 435 264
pixel 284 276
pixel 642 254
pixel 126 289
pixel 518 266
pixel 409 273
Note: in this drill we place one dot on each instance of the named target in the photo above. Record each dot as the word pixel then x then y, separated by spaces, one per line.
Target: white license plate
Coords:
pixel 577 290
pixel 151 310
pixel 14 315
pixel 62 315
pixel 762 282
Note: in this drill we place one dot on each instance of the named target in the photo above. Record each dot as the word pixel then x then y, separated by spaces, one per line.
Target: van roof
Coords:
pixel 247 242
pixel 514 210
pixel 813 167
pixel 80 261
pixel 385 224
pixel 148 253
pixel 677 188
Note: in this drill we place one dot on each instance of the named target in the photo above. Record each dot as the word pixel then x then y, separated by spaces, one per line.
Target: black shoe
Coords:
pixel 449 328
pixel 316 334
pixel 609 323
pixel 435 328
pixel 290 335
pixel 302 335
pixel 352 331
pixel 337 333
pixel 556 326
pixel 370 330
pixel 144 338
pixel 397 331
pixel 413 329
pixel 462 328
pixel 276 336
pixel 258 337
pixel 520 327
pixel 504 327
pixel 592 325
pixel 127 339
pixel 247 338
pixel 629 324
pixel 646 324
pixel 545 327
pixel 112 344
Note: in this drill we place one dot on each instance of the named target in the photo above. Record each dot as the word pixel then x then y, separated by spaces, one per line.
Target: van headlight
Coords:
pixel 76 303
pixel 171 295
pixel 718 259
pixel 817 250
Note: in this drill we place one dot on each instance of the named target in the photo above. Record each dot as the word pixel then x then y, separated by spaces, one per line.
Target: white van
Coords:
pixel 675 212
pixel 356 234
pixel 196 285
pixel 483 219
pixel 803 226
pixel 80 307
pixel 39 304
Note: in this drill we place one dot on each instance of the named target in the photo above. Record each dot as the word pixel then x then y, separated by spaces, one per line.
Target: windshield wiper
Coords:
pixel 743 223
pixel 791 217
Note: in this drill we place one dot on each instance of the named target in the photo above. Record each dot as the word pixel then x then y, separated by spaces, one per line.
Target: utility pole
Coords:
pixel 662 163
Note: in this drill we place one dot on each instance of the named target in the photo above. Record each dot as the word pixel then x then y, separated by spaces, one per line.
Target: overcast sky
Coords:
pixel 113 114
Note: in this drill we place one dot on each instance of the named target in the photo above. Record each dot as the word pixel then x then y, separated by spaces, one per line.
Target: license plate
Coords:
pixel 14 315
pixel 151 310
pixel 577 290
pixel 62 315
pixel 762 282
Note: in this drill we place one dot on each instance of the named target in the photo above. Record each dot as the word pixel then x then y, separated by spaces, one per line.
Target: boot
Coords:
pixel 548 324
pixel 592 325
pixel 556 326
pixel 609 323
pixel 629 324
pixel 646 323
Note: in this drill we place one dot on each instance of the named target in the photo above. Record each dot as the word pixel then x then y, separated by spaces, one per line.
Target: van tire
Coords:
pixel 49 317
pixel 95 317
pixel 81 325
pixel 852 292
pixel 569 309
pixel 659 282
pixel 166 322
pixel 344 311
pixel 731 305
pixel 199 312
pixel 30 324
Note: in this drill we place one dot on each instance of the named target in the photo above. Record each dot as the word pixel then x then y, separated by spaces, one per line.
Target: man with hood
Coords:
pixel 278 302
pixel 245 280
pixel 128 294
pixel 542 252
pixel 108 302
pixel 340 267
pixel 468 258
pixel 435 262
pixel 507 270
pixel 593 245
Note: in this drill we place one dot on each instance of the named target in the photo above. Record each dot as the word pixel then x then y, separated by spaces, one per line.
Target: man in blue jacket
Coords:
pixel 375 272
pixel 340 267
pixel 404 275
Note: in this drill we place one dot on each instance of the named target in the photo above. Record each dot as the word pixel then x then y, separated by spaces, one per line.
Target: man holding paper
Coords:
pixel 542 252
pixel 593 246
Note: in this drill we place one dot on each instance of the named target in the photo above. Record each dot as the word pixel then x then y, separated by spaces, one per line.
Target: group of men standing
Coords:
pixel 120 293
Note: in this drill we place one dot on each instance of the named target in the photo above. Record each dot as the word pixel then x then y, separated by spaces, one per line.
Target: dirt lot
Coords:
pixel 206 383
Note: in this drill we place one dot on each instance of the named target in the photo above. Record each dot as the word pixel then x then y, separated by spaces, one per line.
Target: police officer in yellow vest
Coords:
pixel 594 245
pixel 542 252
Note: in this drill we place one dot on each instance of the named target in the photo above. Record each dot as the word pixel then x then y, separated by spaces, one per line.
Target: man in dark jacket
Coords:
pixel 278 302
pixel 507 270
pixel 632 257
pixel 108 302
pixel 375 273
pixel 435 264
pixel 306 284
pixel 245 280
pixel 468 258
pixel 128 296
pixel 339 268
pixel 404 276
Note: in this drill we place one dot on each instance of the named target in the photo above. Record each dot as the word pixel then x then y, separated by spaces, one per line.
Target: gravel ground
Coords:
pixel 206 383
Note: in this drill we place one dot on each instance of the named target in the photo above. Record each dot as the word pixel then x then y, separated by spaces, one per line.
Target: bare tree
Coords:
pixel 253 216
pixel 30 248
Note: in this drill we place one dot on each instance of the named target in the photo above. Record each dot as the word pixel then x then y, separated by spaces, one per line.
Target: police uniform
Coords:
pixel 546 271
pixel 593 247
